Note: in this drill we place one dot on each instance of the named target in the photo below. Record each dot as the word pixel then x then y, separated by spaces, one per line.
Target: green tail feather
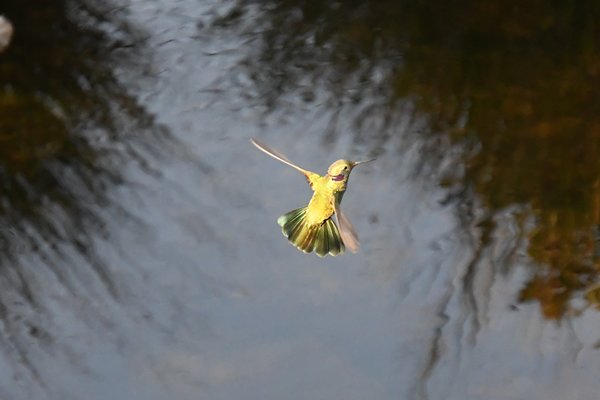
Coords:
pixel 322 239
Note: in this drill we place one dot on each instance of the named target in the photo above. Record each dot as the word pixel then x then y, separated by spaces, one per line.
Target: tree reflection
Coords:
pixel 512 83
pixel 65 133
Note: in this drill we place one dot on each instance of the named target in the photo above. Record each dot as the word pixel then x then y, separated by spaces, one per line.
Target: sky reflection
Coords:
pixel 515 97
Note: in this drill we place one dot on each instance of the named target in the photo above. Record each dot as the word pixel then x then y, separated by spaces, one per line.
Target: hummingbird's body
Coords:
pixel 322 203
pixel 312 228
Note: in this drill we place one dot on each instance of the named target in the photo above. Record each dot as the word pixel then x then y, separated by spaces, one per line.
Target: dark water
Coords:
pixel 140 258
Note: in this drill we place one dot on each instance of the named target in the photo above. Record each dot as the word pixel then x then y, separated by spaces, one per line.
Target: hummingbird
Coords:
pixel 312 228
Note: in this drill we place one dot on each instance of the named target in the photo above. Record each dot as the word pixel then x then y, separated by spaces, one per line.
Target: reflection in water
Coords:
pixel 6 32
pixel 64 124
pixel 510 84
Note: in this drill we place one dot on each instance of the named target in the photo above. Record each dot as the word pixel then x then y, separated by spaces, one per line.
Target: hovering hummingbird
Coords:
pixel 312 228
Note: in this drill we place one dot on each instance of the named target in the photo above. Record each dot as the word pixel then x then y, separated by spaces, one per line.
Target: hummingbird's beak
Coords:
pixel 354 164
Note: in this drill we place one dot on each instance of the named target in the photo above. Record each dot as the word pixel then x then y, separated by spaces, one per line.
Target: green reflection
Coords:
pixel 513 83
pixel 61 111
pixel 66 132
pixel 67 129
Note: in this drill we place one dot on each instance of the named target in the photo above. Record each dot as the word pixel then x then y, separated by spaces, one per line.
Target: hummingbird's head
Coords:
pixel 340 170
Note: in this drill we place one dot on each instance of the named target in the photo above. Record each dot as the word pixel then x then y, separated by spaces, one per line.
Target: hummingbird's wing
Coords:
pixel 347 232
pixel 278 156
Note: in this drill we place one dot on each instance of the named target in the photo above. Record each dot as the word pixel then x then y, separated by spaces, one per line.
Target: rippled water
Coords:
pixel 140 254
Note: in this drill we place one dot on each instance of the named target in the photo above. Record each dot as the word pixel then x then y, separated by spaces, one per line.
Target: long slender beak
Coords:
pixel 354 164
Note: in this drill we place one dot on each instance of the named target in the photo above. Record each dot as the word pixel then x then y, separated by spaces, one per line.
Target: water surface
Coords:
pixel 140 254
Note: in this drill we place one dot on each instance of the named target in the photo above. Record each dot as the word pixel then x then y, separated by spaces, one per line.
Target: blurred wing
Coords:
pixel 347 232
pixel 278 156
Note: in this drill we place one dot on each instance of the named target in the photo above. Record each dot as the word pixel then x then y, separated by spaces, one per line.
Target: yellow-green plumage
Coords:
pixel 312 228
pixel 323 238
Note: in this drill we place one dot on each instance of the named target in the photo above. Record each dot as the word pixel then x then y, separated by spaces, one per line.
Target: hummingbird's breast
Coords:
pixel 320 208
pixel 322 203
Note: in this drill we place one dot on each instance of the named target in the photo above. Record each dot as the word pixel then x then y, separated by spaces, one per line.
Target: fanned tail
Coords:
pixel 323 239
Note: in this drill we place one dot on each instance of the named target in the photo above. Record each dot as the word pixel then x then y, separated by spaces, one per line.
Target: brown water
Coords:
pixel 140 255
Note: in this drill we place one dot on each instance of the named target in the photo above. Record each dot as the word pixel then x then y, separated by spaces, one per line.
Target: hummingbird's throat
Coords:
pixel 338 178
